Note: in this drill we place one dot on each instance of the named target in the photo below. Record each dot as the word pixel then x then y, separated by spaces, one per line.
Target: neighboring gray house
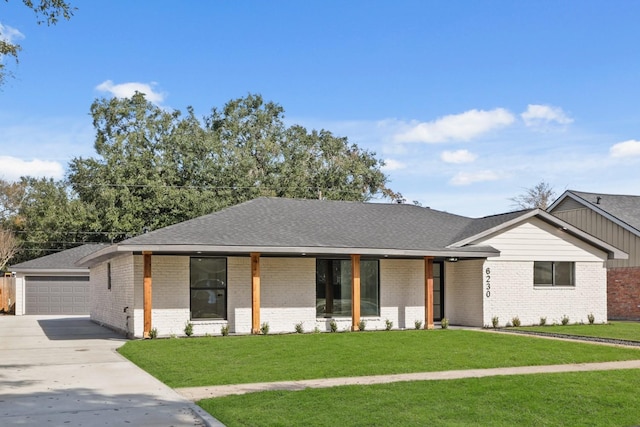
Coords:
pixel 614 219
pixel 286 261
pixel 54 284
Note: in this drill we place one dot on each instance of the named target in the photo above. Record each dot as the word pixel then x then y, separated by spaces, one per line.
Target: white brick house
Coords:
pixel 315 262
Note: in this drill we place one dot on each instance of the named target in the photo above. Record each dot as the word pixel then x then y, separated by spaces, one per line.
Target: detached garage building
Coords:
pixel 53 284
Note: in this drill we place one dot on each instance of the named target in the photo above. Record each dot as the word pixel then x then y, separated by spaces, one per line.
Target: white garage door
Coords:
pixel 57 295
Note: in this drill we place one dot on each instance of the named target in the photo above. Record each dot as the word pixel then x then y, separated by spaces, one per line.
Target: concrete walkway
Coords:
pixel 198 393
pixel 64 370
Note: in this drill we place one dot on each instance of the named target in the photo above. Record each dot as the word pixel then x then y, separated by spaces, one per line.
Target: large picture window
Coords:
pixel 333 288
pixel 208 283
pixel 549 273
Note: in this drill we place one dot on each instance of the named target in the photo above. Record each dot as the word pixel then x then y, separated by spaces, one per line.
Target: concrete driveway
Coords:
pixel 64 370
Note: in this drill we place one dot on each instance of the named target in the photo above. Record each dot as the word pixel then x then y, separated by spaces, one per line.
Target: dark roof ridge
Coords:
pixel 518 211
pixel 578 192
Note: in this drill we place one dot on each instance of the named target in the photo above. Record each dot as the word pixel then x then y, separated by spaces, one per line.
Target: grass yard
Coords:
pixel 614 330
pixel 191 362
pixel 586 399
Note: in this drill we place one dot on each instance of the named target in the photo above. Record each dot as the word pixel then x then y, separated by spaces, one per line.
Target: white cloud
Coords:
pixel 458 156
pixel 466 178
pixel 630 148
pixel 392 165
pixel 10 34
pixel 127 90
pixel 13 168
pixel 457 127
pixel 540 115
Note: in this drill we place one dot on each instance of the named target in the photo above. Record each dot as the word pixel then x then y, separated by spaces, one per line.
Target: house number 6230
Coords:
pixel 487 281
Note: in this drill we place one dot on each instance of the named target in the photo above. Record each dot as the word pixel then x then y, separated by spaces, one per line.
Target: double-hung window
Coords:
pixel 208 283
pixel 553 273
pixel 333 288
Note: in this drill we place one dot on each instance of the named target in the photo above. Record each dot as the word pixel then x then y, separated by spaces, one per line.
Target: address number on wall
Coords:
pixel 487 282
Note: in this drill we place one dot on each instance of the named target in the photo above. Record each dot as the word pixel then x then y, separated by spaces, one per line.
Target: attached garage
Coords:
pixel 57 294
pixel 53 284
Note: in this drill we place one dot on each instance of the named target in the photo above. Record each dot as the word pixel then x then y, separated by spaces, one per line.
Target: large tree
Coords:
pixel 157 167
pixel 47 11
pixel 51 218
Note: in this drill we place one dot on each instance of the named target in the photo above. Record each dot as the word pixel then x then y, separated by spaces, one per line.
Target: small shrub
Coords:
pixel 299 328
pixel 495 321
pixel 188 329
pixel 444 323
pixel 224 330
pixel 153 333
pixel 264 328
pixel 418 324
pixel 316 330
pixel 362 325
pixel 333 326
pixel 515 321
pixel 388 324
pixel 564 320
pixel 591 318
pixel 543 321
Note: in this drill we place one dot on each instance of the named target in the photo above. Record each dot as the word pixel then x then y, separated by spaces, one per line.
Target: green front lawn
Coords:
pixel 245 359
pixel 585 399
pixel 614 330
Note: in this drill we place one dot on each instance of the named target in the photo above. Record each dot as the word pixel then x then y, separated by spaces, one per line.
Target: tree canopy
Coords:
pixel 154 167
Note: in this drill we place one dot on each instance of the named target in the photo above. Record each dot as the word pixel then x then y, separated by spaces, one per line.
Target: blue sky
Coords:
pixel 468 102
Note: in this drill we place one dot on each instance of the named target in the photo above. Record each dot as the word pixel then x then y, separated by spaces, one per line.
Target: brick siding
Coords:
pixel 623 293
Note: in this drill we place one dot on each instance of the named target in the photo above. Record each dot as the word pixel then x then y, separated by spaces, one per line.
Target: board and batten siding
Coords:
pixel 606 230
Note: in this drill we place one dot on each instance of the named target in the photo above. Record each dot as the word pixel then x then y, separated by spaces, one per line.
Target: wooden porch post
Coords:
pixel 255 293
pixel 428 292
pixel 146 293
pixel 355 292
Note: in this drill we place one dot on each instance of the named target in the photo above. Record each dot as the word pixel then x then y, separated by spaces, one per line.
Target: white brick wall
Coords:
pixel 463 293
pixel 513 294
pixel 288 295
pixel 108 306
pixel 401 293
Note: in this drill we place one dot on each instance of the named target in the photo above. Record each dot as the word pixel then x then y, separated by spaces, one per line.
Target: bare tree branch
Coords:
pixel 539 196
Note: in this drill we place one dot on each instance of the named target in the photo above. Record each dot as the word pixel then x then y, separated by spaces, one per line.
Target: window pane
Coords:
pixel 369 288
pixel 564 274
pixel 542 273
pixel 333 288
pixel 208 272
pixel 208 282
pixel 341 287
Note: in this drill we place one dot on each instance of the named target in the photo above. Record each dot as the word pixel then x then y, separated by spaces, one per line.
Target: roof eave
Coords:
pixel 44 270
pixel 115 250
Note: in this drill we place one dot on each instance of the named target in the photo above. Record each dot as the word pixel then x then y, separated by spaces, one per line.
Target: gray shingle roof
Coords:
pixel 64 260
pixel 625 208
pixel 322 227
pixel 278 222
pixel 479 225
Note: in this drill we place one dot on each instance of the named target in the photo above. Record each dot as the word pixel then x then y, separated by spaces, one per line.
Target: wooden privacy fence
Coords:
pixel 8 295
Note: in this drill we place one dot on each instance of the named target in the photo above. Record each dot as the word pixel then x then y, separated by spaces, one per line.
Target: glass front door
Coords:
pixel 438 290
